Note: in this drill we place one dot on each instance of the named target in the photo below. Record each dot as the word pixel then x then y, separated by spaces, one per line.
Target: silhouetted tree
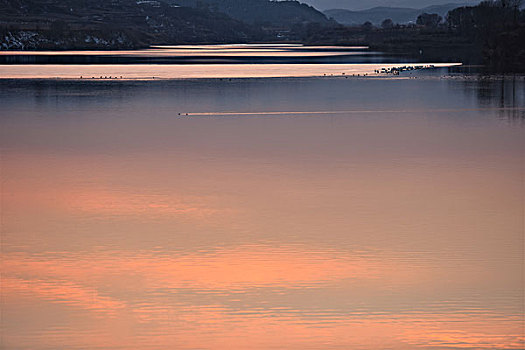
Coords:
pixel 387 24
pixel 429 20
pixel 367 25
pixel 496 26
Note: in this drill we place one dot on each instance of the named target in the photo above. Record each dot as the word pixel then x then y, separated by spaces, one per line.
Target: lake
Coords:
pixel 373 212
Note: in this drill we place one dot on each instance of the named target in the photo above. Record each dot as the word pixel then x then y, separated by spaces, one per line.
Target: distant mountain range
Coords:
pixel 377 15
pixel 358 5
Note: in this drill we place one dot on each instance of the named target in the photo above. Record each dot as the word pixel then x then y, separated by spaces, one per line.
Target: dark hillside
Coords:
pixel 279 20
pixel 110 24
pixel 49 24
pixel 261 12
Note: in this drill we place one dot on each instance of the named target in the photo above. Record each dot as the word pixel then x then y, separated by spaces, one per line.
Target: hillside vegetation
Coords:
pixel 377 15
pixel 112 24
pixel 261 12
pixel 491 33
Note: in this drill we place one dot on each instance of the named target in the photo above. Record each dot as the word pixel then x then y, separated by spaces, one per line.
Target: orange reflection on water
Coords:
pixel 121 203
pixel 109 284
pixel 135 230
pixel 209 50
pixel 61 292
pixel 100 201
pixel 196 71
pixel 237 267
pixel 462 332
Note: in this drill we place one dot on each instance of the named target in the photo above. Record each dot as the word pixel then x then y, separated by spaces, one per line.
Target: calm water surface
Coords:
pixel 298 213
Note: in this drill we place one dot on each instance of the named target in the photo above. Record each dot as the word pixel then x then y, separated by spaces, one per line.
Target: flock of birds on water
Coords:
pixel 397 70
pixel 391 70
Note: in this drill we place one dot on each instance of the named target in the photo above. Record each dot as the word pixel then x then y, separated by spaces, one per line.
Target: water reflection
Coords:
pixel 280 213
pixel 506 93
pixel 205 54
pixel 115 72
